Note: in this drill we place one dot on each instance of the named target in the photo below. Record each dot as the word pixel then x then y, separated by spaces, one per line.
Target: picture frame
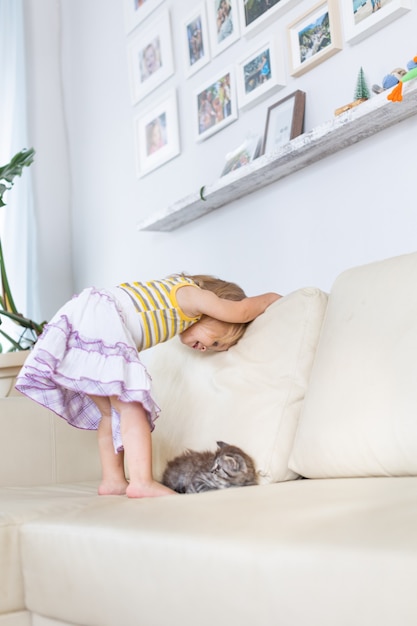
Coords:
pixel 247 152
pixel 215 104
pixel 259 74
pixel 136 11
pixel 314 37
pixel 256 14
pixel 196 40
pixel 363 18
pixel 223 19
pixel 157 137
pixel 284 121
pixel 150 57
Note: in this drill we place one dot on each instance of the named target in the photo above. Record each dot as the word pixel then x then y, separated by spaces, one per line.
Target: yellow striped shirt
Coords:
pixel 156 303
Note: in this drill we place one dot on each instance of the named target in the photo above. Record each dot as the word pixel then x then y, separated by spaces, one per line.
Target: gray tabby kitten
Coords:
pixel 194 472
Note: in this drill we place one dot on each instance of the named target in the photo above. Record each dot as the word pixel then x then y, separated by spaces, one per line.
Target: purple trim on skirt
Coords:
pixel 69 363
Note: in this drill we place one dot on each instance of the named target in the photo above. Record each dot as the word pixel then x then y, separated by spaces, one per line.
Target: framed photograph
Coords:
pixel 223 24
pixel 259 74
pixel 157 135
pixel 150 57
pixel 284 121
pixel 196 40
pixel 138 10
pixel 215 104
pixel 247 152
pixel 256 14
pixel 364 17
pixel 314 37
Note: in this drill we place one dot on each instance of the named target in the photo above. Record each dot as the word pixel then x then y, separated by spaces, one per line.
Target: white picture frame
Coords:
pixel 224 30
pixel 136 11
pixel 196 42
pixel 260 73
pixel 157 137
pixel 314 36
pixel 257 14
pixel 244 154
pixel 361 18
pixel 150 57
pixel 215 104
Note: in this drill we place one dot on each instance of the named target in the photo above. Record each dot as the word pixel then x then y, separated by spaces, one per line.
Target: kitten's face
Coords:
pixel 229 465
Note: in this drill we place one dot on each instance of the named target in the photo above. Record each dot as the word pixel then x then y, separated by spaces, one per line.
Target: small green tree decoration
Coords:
pixel 30 329
pixel 362 92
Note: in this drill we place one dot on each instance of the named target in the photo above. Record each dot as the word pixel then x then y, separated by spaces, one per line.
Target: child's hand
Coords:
pixel 272 297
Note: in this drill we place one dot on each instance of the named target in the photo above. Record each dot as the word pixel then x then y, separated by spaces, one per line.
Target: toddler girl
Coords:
pixel 86 368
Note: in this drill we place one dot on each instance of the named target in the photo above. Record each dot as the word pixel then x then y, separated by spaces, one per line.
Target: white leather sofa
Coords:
pixel 320 387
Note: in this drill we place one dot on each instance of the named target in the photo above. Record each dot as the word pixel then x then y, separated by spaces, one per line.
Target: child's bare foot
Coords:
pixel 148 490
pixel 112 488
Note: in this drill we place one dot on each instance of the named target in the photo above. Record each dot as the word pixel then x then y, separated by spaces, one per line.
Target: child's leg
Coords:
pixel 113 476
pixel 136 439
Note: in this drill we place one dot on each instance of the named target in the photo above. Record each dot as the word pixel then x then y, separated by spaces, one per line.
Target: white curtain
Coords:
pixel 17 221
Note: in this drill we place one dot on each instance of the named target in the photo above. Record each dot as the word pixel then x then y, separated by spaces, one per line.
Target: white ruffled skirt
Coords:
pixel 88 348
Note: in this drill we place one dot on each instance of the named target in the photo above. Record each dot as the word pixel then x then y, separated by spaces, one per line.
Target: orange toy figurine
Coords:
pixel 396 94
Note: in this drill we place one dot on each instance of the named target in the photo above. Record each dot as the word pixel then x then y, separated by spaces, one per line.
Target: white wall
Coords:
pixel 48 135
pixel 354 207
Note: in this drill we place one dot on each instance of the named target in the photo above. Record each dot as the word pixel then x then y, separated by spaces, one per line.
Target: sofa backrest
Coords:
pixel 360 413
pixel 39 448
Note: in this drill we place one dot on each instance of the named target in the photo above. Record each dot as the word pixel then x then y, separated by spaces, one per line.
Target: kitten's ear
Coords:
pixel 233 461
pixel 241 461
pixel 222 444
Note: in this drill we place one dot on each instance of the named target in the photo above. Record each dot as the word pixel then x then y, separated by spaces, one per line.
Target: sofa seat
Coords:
pixel 18 506
pixel 338 550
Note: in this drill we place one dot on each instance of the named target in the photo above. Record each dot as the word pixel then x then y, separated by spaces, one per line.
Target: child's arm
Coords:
pixel 194 301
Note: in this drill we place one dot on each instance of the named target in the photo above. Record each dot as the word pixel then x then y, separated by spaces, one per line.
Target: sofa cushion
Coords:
pixel 324 552
pixel 249 396
pixel 359 416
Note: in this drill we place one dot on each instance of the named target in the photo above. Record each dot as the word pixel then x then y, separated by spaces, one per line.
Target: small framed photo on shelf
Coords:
pixel 256 14
pixel 223 24
pixel 136 11
pixel 215 104
pixel 196 40
pixel 314 37
pixel 157 135
pixel 247 152
pixel 284 121
pixel 259 74
pixel 364 17
pixel 150 57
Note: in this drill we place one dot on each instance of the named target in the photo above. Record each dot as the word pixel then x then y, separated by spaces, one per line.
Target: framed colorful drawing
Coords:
pixel 136 11
pixel 259 74
pixel 284 121
pixel 150 57
pixel 314 37
pixel 223 24
pixel 195 40
pixel 256 14
pixel 157 135
pixel 215 104
pixel 364 17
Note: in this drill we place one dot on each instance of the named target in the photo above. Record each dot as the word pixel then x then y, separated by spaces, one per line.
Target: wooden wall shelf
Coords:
pixel 350 127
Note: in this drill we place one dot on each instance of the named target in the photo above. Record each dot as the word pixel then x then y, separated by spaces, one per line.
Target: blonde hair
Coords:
pixel 228 291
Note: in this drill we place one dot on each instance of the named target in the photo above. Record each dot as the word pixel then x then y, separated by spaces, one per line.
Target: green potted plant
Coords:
pixel 29 331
